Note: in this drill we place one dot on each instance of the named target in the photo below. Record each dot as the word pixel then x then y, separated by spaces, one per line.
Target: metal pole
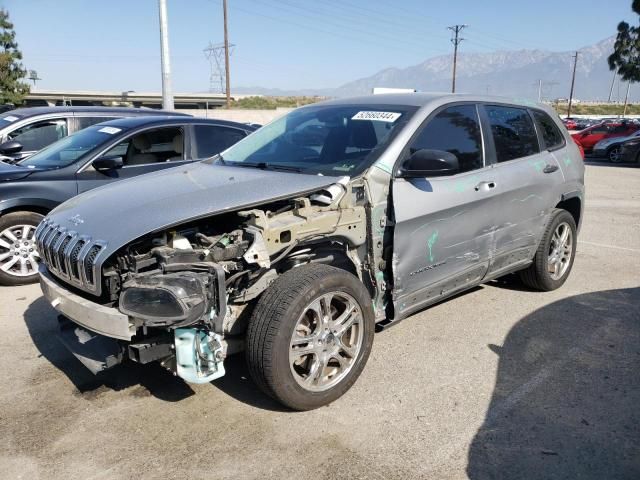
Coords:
pixel 167 96
pixel 573 82
pixel 613 81
pixel 539 90
pixel 226 54
pixel 626 98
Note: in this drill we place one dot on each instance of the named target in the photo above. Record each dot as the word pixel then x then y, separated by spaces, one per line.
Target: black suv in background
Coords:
pixel 26 130
pixel 99 154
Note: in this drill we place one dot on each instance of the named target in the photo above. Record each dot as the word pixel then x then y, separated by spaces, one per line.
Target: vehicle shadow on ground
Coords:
pixel 566 403
pixel 41 321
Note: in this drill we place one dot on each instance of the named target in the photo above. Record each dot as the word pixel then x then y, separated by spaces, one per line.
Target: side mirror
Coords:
pixel 111 162
pixel 429 163
pixel 10 147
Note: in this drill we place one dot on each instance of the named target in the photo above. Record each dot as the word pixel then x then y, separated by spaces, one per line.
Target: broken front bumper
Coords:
pixel 90 315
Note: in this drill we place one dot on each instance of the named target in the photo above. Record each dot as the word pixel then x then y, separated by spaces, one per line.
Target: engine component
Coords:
pixel 174 299
pixel 199 355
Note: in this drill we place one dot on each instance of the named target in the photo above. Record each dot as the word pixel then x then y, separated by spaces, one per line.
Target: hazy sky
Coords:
pixel 114 44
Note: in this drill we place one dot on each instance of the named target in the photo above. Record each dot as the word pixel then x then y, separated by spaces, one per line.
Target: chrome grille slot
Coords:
pixel 60 251
pixel 89 264
pixel 74 254
pixel 48 238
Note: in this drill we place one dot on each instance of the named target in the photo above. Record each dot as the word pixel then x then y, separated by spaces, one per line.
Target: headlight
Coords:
pixel 174 299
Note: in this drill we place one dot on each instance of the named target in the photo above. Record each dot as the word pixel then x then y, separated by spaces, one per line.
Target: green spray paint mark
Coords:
pixel 538 165
pixel 430 243
pixel 567 161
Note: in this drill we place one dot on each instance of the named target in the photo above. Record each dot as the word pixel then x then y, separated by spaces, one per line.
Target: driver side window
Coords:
pixel 455 130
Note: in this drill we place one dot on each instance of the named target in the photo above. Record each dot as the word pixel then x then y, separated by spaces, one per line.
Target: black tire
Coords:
pixel 12 220
pixel 537 275
pixel 272 325
pixel 613 154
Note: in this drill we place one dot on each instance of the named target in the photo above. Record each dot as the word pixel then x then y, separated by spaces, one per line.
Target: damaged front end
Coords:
pixel 186 292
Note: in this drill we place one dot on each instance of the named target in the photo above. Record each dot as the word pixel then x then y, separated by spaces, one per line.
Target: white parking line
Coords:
pixel 606 245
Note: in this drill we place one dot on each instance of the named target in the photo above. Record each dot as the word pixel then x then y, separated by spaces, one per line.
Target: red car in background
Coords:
pixel 579 147
pixel 592 135
pixel 570 123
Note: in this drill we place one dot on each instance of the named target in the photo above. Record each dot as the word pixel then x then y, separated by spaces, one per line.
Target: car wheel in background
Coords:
pixel 18 253
pixel 614 154
pixel 554 258
pixel 310 336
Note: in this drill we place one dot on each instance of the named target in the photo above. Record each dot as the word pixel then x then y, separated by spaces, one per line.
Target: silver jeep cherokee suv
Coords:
pixel 296 242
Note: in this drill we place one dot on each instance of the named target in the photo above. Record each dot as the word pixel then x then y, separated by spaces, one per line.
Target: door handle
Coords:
pixel 550 168
pixel 488 185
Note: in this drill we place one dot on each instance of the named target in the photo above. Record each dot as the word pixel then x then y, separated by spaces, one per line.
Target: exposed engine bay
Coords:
pixel 189 288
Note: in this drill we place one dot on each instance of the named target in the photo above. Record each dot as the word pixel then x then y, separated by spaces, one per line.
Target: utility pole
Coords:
pixel 626 99
pixel 539 90
pixel 456 29
pixel 613 81
pixel 573 82
pixel 226 54
pixel 167 96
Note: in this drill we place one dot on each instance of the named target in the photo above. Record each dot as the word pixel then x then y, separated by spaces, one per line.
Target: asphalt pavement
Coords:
pixel 500 382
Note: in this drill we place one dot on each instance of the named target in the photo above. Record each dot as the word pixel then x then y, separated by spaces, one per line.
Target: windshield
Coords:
pixel 7 118
pixel 69 149
pixel 328 140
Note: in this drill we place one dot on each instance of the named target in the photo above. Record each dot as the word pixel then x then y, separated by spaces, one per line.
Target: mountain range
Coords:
pixel 512 73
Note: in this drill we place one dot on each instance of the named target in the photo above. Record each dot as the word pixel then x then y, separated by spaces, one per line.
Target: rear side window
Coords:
pixel 212 139
pixel 513 132
pixel 455 130
pixel 550 132
pixel 84 122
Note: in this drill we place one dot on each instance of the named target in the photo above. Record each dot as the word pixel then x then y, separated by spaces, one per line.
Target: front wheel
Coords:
pixel 554 258
pixel 18 254
pixel 310 336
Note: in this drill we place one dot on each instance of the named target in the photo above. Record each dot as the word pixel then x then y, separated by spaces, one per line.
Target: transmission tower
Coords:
pixel 215 53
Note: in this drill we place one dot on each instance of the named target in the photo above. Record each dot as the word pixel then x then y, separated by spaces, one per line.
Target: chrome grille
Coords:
pixel 69 255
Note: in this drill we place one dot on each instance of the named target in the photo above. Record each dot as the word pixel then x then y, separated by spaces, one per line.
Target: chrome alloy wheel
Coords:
pixel 18 252
pixel 326 341
pixel 560 251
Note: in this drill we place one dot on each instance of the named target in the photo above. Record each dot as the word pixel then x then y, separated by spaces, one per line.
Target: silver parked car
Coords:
pixel 295 242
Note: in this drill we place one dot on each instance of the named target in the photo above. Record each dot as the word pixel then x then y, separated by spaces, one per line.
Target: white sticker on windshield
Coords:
pixel 377 116
pixel 10 118
pixel 109 130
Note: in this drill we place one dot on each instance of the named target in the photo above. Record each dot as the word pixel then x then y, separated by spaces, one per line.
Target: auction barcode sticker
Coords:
pixel 10 118
pixel 377 116
pixel 109 130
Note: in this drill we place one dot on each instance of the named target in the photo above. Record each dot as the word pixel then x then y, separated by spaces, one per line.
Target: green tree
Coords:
pixel 625 58
pixel 12 89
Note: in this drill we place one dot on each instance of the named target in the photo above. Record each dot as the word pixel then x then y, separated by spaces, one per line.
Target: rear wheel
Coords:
pixel 310 336
pixel 614 154
pixel 18 254
pixel 554 258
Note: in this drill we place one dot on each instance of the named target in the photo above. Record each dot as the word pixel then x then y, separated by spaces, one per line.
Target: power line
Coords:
pixel 456 40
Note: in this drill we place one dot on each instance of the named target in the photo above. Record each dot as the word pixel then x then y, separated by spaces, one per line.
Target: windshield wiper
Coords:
pixel 267 166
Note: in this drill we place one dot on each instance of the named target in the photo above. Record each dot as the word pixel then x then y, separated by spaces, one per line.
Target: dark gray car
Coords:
pixel 297 241
pixel 24 131
pixel 100 154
